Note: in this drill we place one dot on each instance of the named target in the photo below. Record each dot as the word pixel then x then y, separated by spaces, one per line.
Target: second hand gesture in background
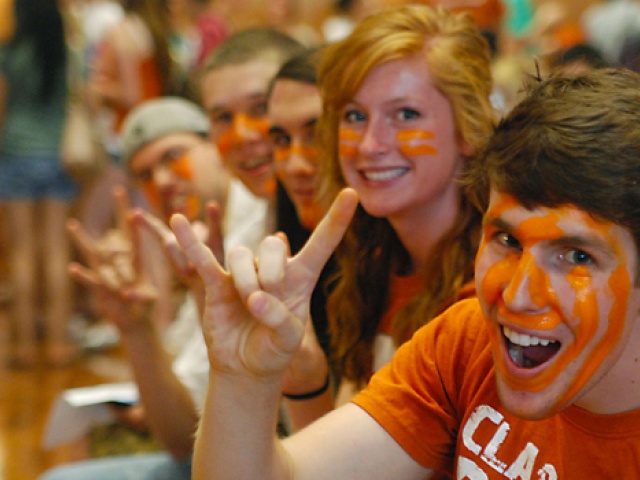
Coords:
pixel 255 314
pixel 113 269
pixel 210 234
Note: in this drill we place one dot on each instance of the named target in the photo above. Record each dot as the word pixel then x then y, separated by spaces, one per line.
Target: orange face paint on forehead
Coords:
pixel 414 143
pixel 595 312
pixel 348 140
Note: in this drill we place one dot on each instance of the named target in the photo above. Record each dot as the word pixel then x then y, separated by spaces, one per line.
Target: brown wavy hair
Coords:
pixel 458 58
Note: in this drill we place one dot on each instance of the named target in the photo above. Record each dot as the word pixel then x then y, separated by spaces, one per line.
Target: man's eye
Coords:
pixel 408 114
pixel 353 116
pixel 577 257
pixel 508 240
pixel 224 118
pixel 280 140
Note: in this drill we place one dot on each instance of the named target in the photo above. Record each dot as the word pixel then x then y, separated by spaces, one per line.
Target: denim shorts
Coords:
pixel 35 178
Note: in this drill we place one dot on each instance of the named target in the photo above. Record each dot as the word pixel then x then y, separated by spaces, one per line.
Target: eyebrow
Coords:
pixel 276 129
pixel 311 123
pixel 576 240
pixel 251 99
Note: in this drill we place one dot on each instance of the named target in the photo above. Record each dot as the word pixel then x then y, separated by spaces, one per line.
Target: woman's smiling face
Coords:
pixel 398 143
pixel 558 288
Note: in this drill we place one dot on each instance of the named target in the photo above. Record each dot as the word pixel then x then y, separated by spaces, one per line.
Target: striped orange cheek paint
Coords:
pixel 348 140
pixel 415 143
pixel 232 135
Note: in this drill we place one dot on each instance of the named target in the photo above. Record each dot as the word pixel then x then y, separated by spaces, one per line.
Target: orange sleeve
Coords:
pixel 7 21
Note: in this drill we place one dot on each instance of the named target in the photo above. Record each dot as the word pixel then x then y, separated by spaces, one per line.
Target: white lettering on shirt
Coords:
pixel 489 455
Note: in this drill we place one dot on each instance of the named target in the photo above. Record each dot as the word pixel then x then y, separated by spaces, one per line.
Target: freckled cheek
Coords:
pixel 416 143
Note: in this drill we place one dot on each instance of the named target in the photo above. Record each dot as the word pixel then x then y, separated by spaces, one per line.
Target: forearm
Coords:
pixel 236 439
pixel 304 411
pixel 170 410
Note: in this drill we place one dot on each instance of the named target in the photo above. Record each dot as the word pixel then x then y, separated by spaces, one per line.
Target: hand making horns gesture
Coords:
pixel 255 314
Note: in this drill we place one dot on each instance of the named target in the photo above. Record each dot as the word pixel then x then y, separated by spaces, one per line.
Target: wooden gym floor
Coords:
pixel 25 399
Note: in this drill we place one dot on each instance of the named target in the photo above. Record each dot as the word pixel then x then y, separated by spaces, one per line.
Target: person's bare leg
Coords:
pixel 22 266
pixel 58 293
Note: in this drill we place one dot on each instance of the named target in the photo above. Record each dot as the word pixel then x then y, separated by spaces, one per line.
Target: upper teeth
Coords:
pixel 383 175
pixel 525 340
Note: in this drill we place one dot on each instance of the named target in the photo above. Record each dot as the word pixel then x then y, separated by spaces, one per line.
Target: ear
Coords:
pixel 466 149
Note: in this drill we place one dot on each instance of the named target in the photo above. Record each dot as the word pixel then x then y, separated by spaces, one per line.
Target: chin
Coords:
pixel 526 405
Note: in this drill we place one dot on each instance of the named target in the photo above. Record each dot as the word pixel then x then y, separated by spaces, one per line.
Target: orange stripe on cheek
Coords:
pixel 281 154
pixel 225 141
pixel 347 138
pixel 260 125
pixel 496 277
pixel 411 143
pixel 417 150
pixel 151 192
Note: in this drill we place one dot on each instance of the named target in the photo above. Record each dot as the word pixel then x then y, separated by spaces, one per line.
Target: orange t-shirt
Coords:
pixel 438 400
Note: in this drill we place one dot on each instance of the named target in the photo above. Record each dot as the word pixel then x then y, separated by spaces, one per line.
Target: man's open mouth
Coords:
pixel 528 351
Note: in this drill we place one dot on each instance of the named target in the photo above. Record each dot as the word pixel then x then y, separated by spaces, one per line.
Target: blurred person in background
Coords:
pixel 35 190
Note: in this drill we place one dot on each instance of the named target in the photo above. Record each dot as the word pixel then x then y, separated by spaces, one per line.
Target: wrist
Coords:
pixel 308 395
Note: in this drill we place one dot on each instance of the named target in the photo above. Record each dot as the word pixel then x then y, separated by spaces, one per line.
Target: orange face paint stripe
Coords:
pixel 281 154
pixel 408 135
pixel 230 137
pixel 346 138
pixel 417 150
pixel 411 143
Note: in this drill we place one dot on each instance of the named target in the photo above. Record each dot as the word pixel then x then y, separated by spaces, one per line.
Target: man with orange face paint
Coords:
pixel 536 378
pixel 166 149
pixel 170 159
pixel 234 83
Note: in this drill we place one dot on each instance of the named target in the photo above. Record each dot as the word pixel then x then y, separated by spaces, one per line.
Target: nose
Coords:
pixel 374 140
pixel 527 289
pixel 163 177
pixel 246 129
pixel 298 163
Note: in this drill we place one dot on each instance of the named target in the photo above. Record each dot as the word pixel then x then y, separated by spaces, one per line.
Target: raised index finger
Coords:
pixel 329 232
pixel 197 252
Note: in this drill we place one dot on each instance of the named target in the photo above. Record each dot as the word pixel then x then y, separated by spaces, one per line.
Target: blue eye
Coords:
pixel 280 140
pixel 353 116
pixel 408 114
pixel 578 257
